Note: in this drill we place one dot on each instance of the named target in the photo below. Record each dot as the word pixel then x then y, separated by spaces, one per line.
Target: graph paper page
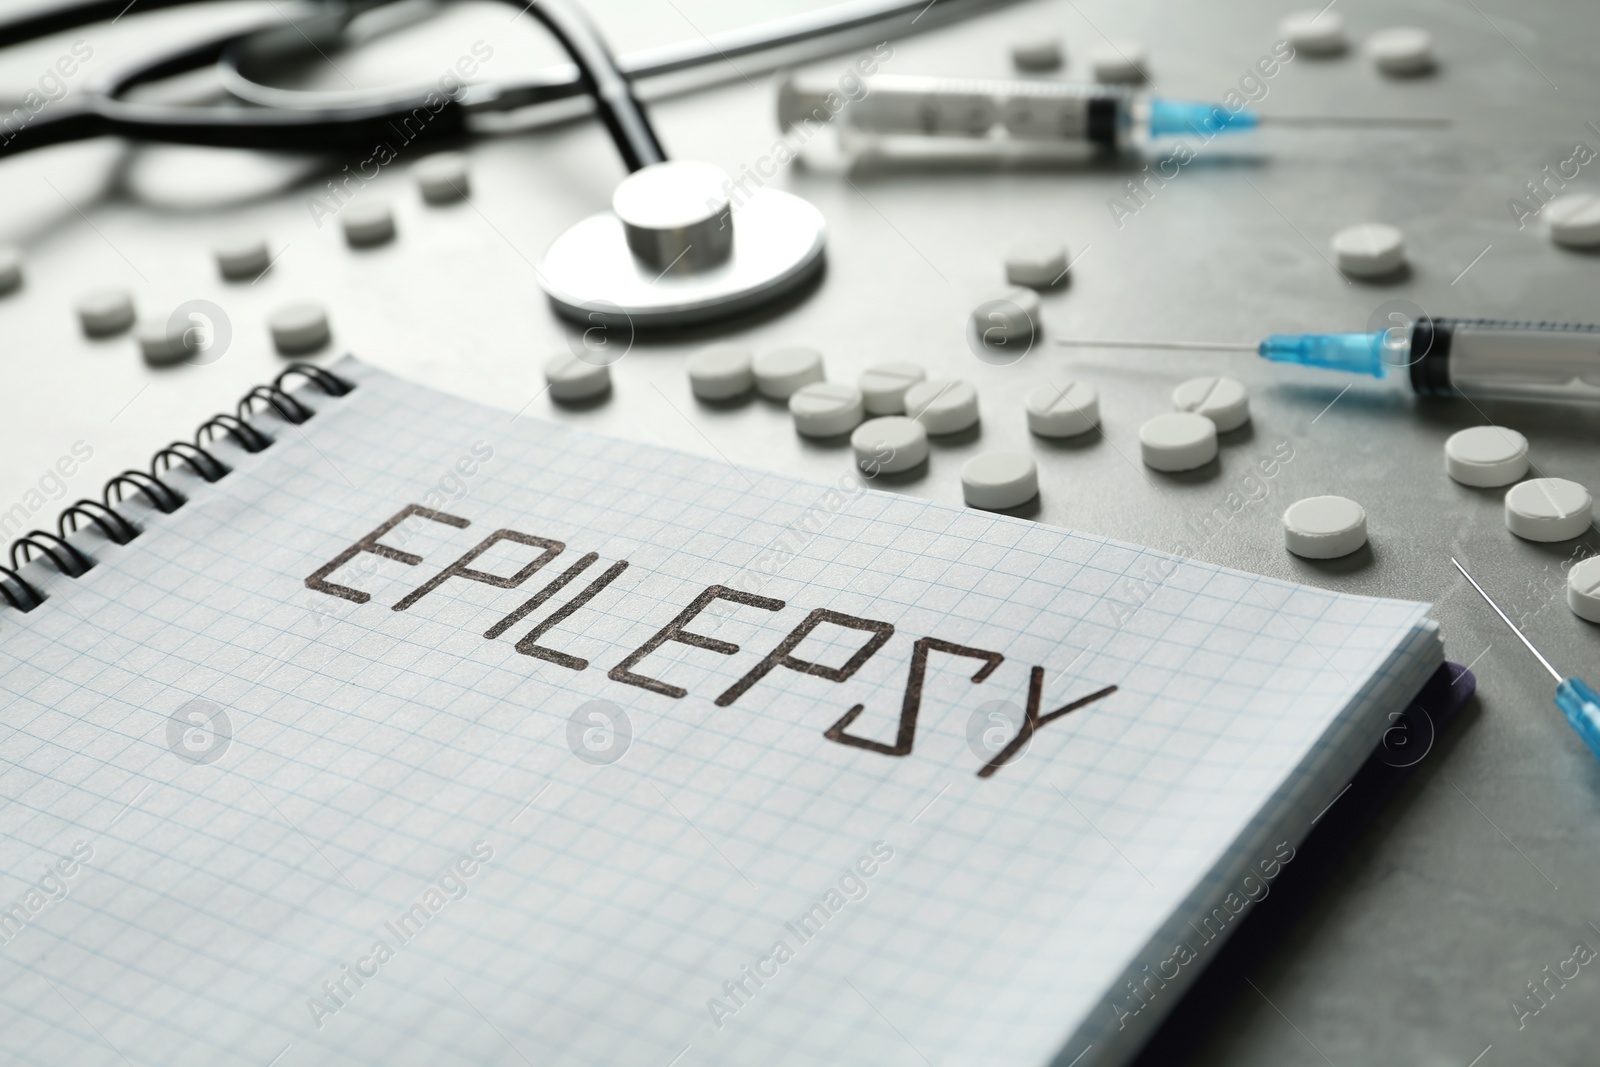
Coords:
pixel 254 820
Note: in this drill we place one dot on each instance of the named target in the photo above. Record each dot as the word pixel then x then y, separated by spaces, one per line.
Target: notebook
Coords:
pixel 428 734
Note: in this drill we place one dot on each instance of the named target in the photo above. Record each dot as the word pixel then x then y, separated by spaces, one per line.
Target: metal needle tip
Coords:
pixel 1520 635
pixel 1197 346
pixel 1355 121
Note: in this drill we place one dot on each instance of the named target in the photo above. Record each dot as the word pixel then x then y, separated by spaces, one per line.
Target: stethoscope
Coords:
pixel 669 253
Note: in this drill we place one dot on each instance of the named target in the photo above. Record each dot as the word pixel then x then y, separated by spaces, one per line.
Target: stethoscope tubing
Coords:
pixel 328 122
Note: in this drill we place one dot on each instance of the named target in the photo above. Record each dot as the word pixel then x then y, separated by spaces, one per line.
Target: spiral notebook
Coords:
pixel 379 727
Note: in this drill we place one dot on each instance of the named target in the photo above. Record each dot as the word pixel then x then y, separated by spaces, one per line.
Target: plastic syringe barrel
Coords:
pixel 1502 357
pixel 1460 357
pixel 962 107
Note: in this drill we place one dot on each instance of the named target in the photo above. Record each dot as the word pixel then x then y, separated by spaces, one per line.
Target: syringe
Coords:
pixel 1024 110
pixel 1441 357
pixel 1575 697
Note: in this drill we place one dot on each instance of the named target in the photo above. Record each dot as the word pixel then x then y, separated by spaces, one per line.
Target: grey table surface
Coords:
pixel 1484 869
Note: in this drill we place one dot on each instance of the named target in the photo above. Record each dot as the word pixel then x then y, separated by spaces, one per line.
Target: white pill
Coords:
pixel 105 311
pixel 1316 33
pixel 1180 441
pixel 889 444
pixel 1222 400
pixel 1548 509
pixel 243 257
pixel 1036 264
pixel 299 327
pixel 826 409
pixel 367 223
pixel 1401 50
pixel 1036 55
pixel 947 406
pixel 781 372
pixel 1583 589
pixel 1370 249
pixel 10 268
pixel 571 378
pixel 161 341
pixel 1118 61
pixel 1062 409
pixel 720 372
pixel 1486 456
pixel 884 385
pixel 442 177
pixel 1012 315
pixel 1574 220
pixel 996 480
pixel 1324 527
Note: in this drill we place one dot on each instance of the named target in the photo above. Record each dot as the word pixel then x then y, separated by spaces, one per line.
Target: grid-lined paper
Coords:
pixel 611 906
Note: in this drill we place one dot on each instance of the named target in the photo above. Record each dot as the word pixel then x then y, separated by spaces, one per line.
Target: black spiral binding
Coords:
pixel 73 562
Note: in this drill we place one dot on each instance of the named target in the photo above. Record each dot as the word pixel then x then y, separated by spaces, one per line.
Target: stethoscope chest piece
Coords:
pixel 674 250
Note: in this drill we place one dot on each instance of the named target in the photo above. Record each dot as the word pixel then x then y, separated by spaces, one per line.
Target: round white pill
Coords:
pixel 571 378
pixel 10 267
pixel 1401 50
pixel 161 341
pixel 1583 589
pixel 1316 33
pixel 1062 409
pixel 105 311
pixel 1222 400
pixel 1486 456
pixel 243 257
pixel 1036 264
pixel 1180 441
pixel 1548 509
pixel 299 327
pixel 889 444
pixel 947 406
pixel 1118 61
pixel 884 385
pixel 442 177
pixel 1036 55
pixel 720 372
pixel 781 372
pixel 1012 315
pixel 996 480
pixel 1370 249
pixel 367 223
pixel 1574 220
pixel 1324 527
pixel 826 409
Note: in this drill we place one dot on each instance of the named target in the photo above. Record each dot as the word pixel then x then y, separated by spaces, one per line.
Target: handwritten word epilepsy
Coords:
pixel 628 671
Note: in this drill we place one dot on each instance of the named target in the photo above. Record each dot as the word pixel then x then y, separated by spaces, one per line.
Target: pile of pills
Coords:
pixel 296 328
